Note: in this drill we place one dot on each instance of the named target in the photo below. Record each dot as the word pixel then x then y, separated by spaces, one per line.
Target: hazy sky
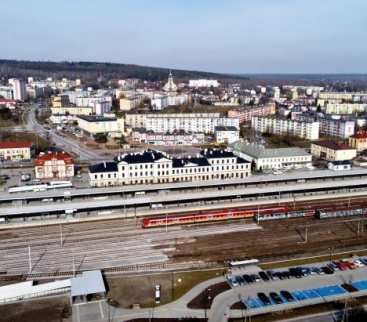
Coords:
pixel 239 36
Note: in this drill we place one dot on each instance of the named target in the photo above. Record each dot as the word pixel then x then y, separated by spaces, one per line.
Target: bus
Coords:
pixel 244 263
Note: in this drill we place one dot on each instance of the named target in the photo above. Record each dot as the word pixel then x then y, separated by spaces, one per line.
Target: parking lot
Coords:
pixel 283 289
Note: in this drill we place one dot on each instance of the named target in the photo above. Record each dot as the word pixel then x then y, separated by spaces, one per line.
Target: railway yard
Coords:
pixel 124 244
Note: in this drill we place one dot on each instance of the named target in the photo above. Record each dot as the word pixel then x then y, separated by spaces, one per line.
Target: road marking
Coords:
pixel 101 309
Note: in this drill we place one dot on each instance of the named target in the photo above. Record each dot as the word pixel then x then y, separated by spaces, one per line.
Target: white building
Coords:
pixel 95 124
pixel 6 92
pixel 269 159
pixel 198 83
pixel 187 122
pixel 150 167
pixel 178 138
pixel 19 89
pixel 54 165
pixel 303 129
pixel 226 134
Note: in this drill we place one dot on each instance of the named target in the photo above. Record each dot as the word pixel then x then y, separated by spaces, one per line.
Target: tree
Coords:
pixel 100 137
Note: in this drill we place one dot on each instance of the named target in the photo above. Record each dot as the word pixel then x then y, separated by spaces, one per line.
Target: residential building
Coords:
pixel 199 83
pixel 303 129
pixel 270 159
pixel 60 101
pixel 19 89
pixel 246 113
pixel 95 124
pixel 6 92
pixel 151 166
pixel 345 108
pixel 226 134
pixel 54 165
pixel 140 135
pixel 159 102
pixel 15 150
pixel 332 151
pixel 358 141
pixel 130 102
pixel 329 126
pixel 72 110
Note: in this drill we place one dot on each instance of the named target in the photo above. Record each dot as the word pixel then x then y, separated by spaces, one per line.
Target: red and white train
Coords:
pixel 263 214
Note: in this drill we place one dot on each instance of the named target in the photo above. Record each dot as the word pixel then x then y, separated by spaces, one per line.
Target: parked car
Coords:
pixel 276 298
pixel 264 276
pixel 264 299
pixel 288 296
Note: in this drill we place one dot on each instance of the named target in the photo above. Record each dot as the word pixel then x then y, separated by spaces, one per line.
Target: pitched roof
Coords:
pixel 182 162
pixel 360 135
pixel 217 153
pixel 148 156
pixel 103 167
pixel 44 157
pixel 15 144
pixel 333 145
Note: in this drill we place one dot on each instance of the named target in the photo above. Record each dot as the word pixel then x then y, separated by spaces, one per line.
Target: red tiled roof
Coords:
pixel 333 145
pixel 360 135
pixel 15 144
pixel 42 158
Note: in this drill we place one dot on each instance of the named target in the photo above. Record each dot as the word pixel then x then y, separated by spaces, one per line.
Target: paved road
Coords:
pixel 63 142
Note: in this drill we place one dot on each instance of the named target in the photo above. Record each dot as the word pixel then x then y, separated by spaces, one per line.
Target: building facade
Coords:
pixel 270 159
pixel 93 124
pixel 54 165
pixel 332 151
pixel 19 89
pixel 151 167
pixel 226 134
pixel 245 114
pixel 358 141
pixel 178 138
pixel 303 129
pixel 15 151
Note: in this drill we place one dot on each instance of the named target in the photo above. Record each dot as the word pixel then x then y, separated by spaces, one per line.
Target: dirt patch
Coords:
pixel 238 306
pixel 205 299
pixel 56 309
pixel 127 291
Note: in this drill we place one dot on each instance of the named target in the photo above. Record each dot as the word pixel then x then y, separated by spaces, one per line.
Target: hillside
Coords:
pixel 92 70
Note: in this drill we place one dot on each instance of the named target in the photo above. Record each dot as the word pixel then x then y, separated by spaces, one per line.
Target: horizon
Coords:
pixel 238 37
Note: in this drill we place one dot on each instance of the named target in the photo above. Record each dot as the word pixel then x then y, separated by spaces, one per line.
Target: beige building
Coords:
pixel 359 141
pixel 72 110
pixel 332 151
pixel 94 124
pixel 59 101
pixel 131 102
pixel 150 167
pixel 56 165
pixel 15 151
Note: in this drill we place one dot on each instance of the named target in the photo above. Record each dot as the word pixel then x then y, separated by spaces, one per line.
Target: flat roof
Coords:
pixel 258 151
pixel 96 118
pixel 90 282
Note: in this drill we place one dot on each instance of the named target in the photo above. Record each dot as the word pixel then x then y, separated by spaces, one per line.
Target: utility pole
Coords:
pixel 73 266
pixel 29 259
pixel 166 223
pixel 306 234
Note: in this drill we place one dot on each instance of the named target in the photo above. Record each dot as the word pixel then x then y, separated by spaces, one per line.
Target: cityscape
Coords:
pixel 171 178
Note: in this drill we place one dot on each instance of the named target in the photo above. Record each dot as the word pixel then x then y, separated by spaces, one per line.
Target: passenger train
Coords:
pixel 264 214
pixel 41 187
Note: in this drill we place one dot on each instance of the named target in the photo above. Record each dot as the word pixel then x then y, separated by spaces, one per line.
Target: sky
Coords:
pixel 227 36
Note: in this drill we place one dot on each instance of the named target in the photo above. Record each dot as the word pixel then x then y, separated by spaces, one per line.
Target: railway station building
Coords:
pixel 153 166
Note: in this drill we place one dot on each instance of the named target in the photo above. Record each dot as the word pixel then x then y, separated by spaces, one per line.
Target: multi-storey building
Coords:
pixel 345 108
pixel 15 151
pixel 358 141
pixel 187 122
pixel 226 134
pixel 303 129
pixel 198 83
pixel 150 167
pixel 332 151
pixel 94 124
pixel 19 89
pixel 246 113
pixel 329 126
pixel 177 138
pixel 54 165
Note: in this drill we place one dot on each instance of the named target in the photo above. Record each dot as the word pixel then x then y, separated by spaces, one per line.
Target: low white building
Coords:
pixel 151 166
pixel 94 124
pixel 269 159
pixel 198 83
pixel 226 134
pixel 339 165
pixel 15 150
pixel 178 138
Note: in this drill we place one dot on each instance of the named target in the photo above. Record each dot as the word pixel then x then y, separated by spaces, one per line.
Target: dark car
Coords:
pixel 264 276
pixel 327 270
pixel 295 272
pixel 276 298
pixel 247 278
pixel 264 299
pixel 288 296
pixel 240 280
